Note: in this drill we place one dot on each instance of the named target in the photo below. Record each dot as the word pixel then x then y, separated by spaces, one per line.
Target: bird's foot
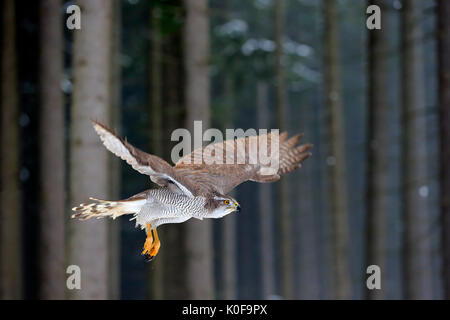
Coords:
pixel 151 245
pixel 147 246
pixel 150 253
pixel 156 245
pixel 148 243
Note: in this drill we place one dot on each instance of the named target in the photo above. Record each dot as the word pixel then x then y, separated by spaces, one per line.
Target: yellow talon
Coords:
pixel 149 240
pixel 156 244
pixel 152 243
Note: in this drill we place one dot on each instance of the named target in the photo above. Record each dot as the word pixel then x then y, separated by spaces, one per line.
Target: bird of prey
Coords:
pixel 190 189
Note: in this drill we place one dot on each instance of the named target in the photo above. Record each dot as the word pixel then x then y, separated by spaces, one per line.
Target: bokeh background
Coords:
pixel 375 104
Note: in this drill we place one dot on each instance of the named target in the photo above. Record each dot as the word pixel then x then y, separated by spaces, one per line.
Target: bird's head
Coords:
pixel 221 205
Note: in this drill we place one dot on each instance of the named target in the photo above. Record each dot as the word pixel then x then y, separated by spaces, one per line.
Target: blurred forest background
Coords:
pixel 375 104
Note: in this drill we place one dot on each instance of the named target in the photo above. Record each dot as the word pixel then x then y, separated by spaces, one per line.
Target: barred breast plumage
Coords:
pixel 164 206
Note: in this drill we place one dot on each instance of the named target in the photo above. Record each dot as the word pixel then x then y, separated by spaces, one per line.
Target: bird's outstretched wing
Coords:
pixel 242 161
pixel 201 174
pixel 159 170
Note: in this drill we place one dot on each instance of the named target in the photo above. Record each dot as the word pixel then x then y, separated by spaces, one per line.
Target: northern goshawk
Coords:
pixel 197 186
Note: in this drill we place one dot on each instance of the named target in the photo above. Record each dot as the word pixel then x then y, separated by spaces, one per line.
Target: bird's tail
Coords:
pixel 105 208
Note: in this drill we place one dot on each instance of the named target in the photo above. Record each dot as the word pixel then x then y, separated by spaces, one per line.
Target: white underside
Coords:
pixel 158 210
pixel 153 212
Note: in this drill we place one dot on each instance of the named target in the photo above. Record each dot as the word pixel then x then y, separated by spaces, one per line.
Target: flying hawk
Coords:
pixel 190 189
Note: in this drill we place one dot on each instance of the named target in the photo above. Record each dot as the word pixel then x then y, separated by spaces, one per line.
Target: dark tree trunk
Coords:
pixel 115 162
pixel 173 234
pixel 10 195
pixel 155 133
pixel 266 208
pixel 336 160
pixel 52 155
pixel 283 187
pixel 378 139
pixel 308 278
pixel 443 14
pixel 417 264
pixel 229 236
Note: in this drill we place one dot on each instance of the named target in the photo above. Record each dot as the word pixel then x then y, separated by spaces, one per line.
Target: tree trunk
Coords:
pixel 11 208
pixel 417 263
pixel 228 276
pixel 443 14
pixel 115 162
pixel 307 253
pixel 378 138
pixel 265 210
pixel 174 234
pixel 229 266
pixel 88 242
pixel 156 145
pixel 198 233
pixel 52 155
pixel 283 188
pixel 229 257
pixel 336 160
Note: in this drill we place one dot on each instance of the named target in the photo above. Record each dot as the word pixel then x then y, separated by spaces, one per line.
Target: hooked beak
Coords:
pixel 238 208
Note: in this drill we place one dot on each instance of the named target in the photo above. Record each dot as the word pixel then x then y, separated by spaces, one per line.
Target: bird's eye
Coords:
pixel 227 202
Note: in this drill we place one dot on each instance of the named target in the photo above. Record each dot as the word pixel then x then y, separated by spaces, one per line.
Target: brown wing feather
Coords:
pixel 223 178
pixel 159 170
